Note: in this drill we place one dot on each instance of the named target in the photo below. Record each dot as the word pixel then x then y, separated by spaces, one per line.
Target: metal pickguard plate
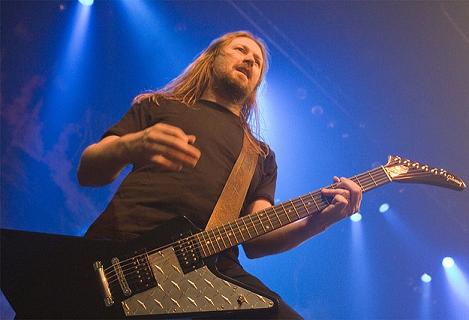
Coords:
pixel 196 291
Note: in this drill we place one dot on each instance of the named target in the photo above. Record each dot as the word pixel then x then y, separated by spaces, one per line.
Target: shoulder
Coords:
pixel 156 103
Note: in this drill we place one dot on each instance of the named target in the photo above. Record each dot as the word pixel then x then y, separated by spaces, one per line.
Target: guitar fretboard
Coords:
pixel 254 225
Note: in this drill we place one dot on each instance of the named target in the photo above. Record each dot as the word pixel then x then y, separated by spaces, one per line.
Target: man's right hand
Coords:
pixel 163 145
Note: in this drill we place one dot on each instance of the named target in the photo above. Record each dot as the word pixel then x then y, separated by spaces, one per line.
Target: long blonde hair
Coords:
pixel 189 86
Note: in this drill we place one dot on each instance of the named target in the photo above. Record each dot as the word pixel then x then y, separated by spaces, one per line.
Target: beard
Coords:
pixel 230 87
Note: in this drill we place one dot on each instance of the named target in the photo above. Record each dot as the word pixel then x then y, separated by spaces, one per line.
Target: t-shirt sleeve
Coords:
pixel 136 119
pixel 266 187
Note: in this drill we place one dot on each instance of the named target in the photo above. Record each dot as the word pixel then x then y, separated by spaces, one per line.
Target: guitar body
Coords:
pixel 51 276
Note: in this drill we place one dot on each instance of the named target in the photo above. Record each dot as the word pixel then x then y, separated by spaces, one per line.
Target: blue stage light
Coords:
pixel 426 278
pixel 356 217
pixel 384 207
pixel 86 2
pixel 447 262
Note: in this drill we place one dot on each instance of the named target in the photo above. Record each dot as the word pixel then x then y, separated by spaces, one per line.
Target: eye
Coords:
pixel 242 49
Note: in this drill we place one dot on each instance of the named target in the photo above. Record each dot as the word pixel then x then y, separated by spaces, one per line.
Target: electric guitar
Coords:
pixel 169 272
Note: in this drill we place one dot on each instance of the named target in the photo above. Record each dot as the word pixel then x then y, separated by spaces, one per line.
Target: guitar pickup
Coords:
pixel 188 254
pixel 138 273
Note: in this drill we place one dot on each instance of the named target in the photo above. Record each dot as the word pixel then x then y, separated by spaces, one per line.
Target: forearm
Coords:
pixel 101 162
pixel 346 200
pixel 283 239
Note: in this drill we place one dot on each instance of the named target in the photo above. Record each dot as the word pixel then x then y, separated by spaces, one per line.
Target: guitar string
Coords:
pixel 191 240
pixel 216 238
pixel 153 260
pixel 266 219
pixel 213 236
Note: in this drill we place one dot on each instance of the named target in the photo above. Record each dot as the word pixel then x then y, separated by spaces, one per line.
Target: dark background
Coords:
pixel 349 84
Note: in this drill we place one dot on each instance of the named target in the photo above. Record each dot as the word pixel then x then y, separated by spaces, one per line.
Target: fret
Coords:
pixel 372 178
pixel 254 225
pixel 233 232
pixel 217 238
pixel 294 208
pixel 304 205
pixel 278 217
pixel 226 232
pixel 209 241
pixel 221 237
pixel 289 220
pixel 230 233
pixel 386 173
pixel 214 236
pixel 325 199
pixel 239 229
pixel 259 216
pixel 268 218
pixel 358 182
pixel 314 200
pixel 245 225
pixel 201 235
pixel 288 211
pixel 197 235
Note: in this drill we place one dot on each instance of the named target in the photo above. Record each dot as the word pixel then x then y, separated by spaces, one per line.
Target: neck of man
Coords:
pixel 230 104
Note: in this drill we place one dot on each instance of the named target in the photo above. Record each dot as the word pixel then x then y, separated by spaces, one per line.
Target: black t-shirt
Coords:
pixel 151 195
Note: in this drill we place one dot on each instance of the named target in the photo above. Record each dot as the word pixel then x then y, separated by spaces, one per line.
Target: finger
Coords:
pixel 172 131
pixel 173 142
pixel 355 193
pixel 192 139
pixel 166 163
pixel 333 192
pixel 340 201
pixel 176 155
pixel 174 137
pixel 337 206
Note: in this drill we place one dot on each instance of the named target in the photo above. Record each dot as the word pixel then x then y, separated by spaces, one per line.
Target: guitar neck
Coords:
pixel 216 240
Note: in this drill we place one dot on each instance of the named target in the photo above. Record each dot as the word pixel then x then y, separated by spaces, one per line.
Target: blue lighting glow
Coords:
pixel 459 286
pixel 447 262
pixel 384 207
pixel 426 278
pixel 356 217
pixel 86 2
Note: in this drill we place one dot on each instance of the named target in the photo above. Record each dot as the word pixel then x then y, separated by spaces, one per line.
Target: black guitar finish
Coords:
pixel 52 276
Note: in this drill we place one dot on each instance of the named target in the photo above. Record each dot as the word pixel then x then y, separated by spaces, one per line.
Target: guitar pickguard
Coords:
pixel 196 291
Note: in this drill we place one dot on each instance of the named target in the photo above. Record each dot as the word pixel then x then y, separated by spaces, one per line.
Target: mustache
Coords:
pixel 244 68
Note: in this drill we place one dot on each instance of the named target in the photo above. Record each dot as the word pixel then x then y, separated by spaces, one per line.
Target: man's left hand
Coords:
pixel 346 199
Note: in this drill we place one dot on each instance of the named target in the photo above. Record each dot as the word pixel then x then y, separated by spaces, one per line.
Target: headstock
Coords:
pixel 404 170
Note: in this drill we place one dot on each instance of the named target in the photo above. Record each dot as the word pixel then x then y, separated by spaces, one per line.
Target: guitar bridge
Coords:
pixel 98 268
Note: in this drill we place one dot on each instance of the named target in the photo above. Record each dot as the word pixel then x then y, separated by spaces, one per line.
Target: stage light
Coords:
pixel 426 278
pixel 384 207
pixel 356 217
pixel 86 2
pixel 447 262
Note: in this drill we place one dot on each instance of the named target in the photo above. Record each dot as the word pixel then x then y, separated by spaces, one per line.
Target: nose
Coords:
pixel 249 60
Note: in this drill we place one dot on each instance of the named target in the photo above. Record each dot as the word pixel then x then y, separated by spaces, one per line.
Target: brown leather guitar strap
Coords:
pixel 231 200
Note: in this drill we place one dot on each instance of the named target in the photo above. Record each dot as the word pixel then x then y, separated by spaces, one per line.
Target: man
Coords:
pixel 183 141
